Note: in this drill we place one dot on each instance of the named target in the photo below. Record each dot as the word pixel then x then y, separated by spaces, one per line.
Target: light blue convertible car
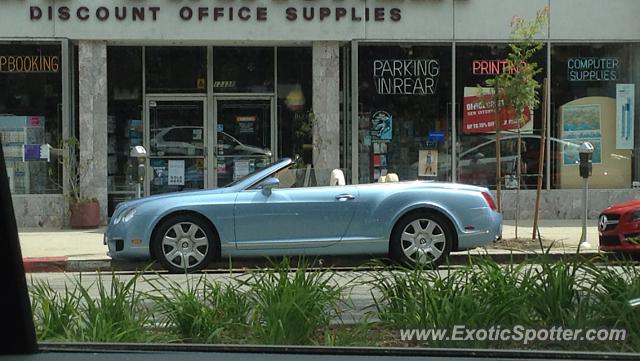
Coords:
pixel 260 215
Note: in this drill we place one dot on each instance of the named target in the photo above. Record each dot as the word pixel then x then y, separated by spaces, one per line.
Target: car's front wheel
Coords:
pixel 184 243
pixel 423 238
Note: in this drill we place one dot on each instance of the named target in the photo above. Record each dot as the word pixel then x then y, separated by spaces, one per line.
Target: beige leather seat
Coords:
pixel 389 178
pixel 337 178
pixel 392 177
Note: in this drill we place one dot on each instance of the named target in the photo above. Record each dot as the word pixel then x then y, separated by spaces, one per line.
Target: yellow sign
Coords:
pixel 29 64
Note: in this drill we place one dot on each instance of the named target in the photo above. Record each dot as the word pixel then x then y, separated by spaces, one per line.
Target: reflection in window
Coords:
pixel 295 102
pixel 30 116
pixel 593 96
pixel 475 64
pixel 176 128
pixel 404 114
pixel 124 122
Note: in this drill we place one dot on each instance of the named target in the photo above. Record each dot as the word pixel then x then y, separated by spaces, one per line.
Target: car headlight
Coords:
pixel 635 216
pixel 127 215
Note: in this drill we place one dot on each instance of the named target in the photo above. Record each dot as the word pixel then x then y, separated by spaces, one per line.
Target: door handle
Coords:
pixel 345 197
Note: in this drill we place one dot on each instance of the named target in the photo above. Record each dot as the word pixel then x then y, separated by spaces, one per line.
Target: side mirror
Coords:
pixel 268 184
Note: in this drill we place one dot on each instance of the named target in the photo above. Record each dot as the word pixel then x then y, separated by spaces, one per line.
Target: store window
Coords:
pixel 295 103
pixel 475 122
pixel 593 95
pixel 404 112
pixel 243 70
pixel 176 69
pixel 124 122
pixel 31 116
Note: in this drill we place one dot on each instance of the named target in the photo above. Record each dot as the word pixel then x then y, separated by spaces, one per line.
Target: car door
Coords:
pixel 293 217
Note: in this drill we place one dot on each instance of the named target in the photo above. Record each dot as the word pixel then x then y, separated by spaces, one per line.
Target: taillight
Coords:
pixel 489 199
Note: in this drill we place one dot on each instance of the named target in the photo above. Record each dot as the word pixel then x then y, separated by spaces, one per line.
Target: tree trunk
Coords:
pixel 498 121
pixel 518 176
pixel 543 142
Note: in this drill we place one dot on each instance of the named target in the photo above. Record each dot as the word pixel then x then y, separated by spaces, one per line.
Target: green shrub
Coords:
pixel 290 308
pixel 201 312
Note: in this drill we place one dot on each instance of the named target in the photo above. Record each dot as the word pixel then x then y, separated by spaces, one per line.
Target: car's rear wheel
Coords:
pixel 185 243
pixel 421 238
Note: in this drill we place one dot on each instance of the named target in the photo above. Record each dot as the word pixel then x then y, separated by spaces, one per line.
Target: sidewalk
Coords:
pixel 50 250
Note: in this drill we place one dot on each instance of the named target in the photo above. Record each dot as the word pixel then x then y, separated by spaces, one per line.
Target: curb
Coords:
pixel 44 264
pixel 78 264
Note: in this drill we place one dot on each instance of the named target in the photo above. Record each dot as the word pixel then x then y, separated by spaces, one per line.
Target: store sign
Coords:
pixel 206 13
pixel 479 115
pixel 593 69
pixel 29 64
pixel 406 76
pixel 492 67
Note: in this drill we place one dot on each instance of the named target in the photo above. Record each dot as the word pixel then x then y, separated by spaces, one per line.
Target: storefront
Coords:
pixel 214 90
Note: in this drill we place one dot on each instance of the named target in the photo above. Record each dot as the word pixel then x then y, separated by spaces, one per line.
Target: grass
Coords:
pixel 115 314
pixel 288 308
pixel 201 312
pixel 295 305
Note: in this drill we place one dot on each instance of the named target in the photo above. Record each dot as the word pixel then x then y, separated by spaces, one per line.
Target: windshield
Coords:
pixel 254 173
pixel 397 175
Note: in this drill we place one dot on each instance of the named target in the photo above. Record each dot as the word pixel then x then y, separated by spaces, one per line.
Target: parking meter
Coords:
pixel 140 154
pixel 586 154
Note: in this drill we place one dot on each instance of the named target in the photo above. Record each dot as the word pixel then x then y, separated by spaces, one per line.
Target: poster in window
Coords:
pixel 246 123
pixel 176 173
pixel 625 108
pixel 581 123
pixel 382 125
pixel 240 169
pixel 428 163
pixel 479 116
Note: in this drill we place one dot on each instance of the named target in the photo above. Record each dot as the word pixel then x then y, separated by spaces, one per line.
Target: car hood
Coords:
pixel 173 195
pixel 623 207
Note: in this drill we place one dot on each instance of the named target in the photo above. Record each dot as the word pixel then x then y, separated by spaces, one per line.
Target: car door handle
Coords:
pixel 345 197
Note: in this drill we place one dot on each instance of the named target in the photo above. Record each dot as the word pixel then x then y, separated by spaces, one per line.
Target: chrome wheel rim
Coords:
pixel 423 240
pixel 185 245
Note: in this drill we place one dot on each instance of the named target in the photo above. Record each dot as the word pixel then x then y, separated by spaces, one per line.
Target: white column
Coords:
pixel 92 87
pixel 326 108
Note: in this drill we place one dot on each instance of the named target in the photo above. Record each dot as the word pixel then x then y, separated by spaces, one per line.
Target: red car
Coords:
pixel 619 228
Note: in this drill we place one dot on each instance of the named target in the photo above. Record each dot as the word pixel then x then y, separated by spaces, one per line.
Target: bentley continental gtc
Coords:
pixel 270 213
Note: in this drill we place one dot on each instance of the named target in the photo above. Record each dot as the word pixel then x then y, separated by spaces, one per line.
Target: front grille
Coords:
pixel 609 241
pixel 612 221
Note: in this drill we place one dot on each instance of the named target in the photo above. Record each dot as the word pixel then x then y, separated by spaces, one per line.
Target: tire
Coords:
pixel 421 238
pixel 183 238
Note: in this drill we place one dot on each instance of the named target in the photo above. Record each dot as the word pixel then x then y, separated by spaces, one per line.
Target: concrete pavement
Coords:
pixel 82 250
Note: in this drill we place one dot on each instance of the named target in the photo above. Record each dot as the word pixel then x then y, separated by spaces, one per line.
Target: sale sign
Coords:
pixel 478 115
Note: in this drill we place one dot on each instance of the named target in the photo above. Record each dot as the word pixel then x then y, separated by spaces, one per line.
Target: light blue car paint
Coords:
pixel 307 221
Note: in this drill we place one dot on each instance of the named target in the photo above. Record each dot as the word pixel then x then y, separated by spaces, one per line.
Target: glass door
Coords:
pixel 244 137
pixel 176 144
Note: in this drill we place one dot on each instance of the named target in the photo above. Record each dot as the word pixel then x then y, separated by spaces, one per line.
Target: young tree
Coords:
pixel 515 90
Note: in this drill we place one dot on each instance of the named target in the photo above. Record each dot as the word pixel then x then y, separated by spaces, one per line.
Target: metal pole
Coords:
pixel 138 190
pixel 584 243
